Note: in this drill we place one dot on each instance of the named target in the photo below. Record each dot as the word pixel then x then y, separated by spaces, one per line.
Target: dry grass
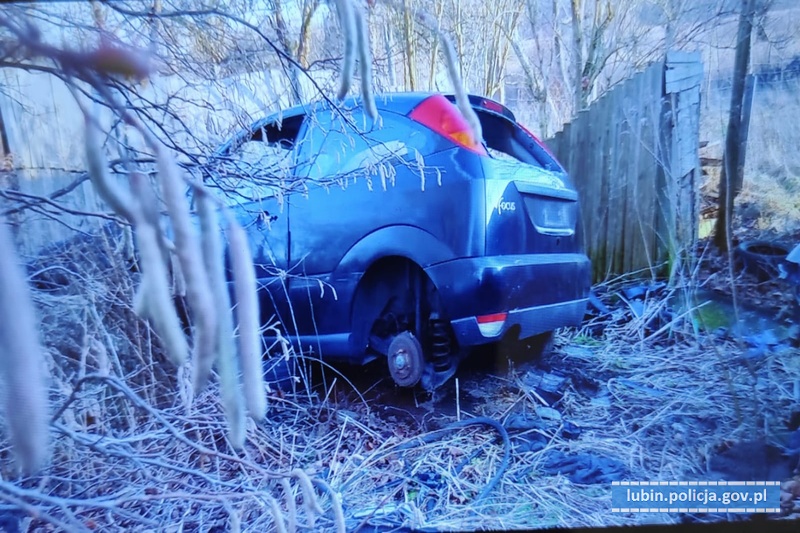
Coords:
pixel 773 165
pixel 127 455
pixel 661 409
pixel 770 200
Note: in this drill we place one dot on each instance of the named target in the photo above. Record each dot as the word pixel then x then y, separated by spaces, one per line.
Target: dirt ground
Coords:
pixel 632 400
pixel 651 388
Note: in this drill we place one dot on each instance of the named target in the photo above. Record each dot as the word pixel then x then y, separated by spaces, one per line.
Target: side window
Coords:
pixel 332 143
pixel 376 153
pixel 258 163
pixel 344 148
pixel 260 160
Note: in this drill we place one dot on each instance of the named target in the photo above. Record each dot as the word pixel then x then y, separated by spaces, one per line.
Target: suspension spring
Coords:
pixel 440 354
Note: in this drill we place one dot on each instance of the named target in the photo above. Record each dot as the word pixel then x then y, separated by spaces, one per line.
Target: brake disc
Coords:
pixel 406 360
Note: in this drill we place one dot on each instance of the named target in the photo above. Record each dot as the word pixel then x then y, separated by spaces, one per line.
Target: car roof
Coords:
pixel 397 102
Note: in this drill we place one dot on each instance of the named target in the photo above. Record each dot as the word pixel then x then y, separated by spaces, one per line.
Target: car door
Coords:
pixel 254 175
pixel 361 178
pixel 330 214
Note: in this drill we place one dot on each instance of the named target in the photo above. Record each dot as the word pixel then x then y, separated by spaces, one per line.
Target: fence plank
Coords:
pixel 649 163
pixel 634 157
pixel 604 129
pixel 598 192
pixel 582 165
pixel 683 71
pixel 679 56
pixel 634 248
pixel 664 149
pixel 683 77
pixel 613 230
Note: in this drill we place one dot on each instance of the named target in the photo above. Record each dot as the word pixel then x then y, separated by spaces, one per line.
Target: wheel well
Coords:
pixel 389 287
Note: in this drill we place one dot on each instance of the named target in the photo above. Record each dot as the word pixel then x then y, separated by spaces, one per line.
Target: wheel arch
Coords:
pixel 383 279
pixel 409 242
pixel 382 260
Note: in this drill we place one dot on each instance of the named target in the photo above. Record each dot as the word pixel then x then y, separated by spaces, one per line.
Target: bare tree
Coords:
pixel 410 46
pixel 588 48
pixel 297 48
pixel 504 17
pixel 730 182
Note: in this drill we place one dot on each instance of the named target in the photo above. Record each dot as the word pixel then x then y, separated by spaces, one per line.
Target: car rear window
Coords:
pixel 508 140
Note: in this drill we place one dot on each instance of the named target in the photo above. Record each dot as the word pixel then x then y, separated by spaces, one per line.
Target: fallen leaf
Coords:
pixel 455 451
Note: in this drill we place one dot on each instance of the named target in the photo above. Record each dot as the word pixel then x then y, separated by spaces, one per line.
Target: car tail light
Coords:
pixel 437 113
pixel 491 325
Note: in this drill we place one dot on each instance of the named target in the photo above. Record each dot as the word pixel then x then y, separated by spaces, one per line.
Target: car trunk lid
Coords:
pixel 528 210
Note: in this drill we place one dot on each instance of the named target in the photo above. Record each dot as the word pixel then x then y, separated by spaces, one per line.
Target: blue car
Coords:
pixel 404 238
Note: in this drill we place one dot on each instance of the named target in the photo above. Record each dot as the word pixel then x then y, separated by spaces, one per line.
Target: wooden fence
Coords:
pixel 634 157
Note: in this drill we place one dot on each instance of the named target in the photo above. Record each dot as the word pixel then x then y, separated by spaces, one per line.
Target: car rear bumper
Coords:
pixel 527 323
pixel 537 292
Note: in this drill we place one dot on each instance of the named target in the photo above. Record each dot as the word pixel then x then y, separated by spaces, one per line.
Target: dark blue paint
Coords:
pixel 470 229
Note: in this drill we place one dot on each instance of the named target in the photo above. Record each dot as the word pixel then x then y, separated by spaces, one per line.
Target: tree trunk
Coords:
pixel 154 26
pixel 389 56
pixel 506 18
pixel 458 27
pixel 595 55
pixel 303 44
pixel 577 50
pixel 408 34
pixel 540 89
pixel 435 48
pixel 559 56
pixel 289 50
pixel 730 182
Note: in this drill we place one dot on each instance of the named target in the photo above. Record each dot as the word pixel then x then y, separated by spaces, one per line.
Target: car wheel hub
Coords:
pixel 406 360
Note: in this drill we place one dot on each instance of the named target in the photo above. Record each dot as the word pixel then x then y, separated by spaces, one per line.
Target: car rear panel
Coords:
pixel 541 278
pixel 529 210
pixel 534 275
pixel 494 284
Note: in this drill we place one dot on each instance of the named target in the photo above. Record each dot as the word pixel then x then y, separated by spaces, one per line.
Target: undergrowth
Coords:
pixel 652 396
